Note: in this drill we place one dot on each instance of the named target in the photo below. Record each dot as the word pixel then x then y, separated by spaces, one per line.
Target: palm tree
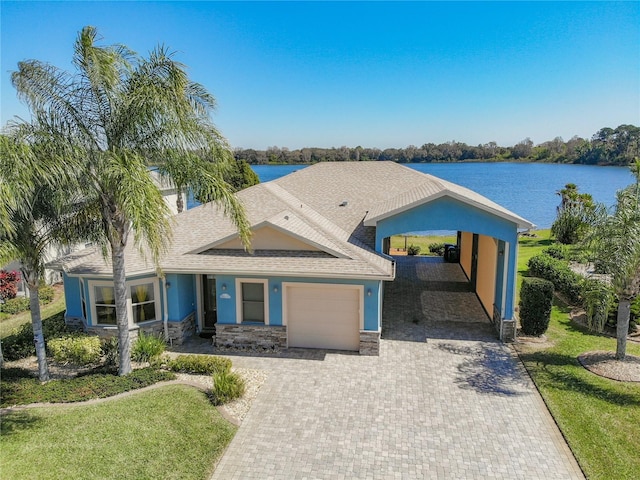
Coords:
pixel 36 219
pixel 117 114
pixel 615 241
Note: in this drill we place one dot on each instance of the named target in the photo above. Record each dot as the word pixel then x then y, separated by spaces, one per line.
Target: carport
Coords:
pixel 487 239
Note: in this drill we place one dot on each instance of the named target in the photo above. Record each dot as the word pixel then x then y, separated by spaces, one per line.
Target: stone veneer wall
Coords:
pixel 369 343
pixel 238 335
pixel 178 331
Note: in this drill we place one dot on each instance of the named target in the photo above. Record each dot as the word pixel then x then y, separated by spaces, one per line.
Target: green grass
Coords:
pixel 600 418
pixel 10 323
pixel 171 433
pixel 423 242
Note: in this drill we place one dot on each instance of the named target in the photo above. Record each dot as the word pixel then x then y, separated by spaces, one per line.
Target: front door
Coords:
pixel 210 304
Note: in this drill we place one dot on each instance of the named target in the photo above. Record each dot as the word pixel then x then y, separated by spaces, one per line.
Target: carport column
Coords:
pixel 508 327
pixel 369 343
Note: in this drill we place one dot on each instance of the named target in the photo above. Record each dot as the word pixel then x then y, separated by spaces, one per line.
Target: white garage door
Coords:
pixel 323 317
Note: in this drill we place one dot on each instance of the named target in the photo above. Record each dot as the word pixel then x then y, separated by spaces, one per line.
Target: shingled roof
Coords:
pixel 332 207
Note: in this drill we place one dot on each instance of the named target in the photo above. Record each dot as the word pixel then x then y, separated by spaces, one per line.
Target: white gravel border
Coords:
pixel 236 410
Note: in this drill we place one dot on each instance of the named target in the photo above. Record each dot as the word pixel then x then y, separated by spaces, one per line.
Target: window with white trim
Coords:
pixel 143 305
pixel 143 301
pixel 105 305
pixel 252 301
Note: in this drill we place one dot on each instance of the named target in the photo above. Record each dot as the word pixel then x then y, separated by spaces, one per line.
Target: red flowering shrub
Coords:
pixel 8 284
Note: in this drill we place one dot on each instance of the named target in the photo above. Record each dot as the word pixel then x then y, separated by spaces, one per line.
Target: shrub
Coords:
pixel 8 284
pixel 20 389
pixel 436 248
pixel 76 349
pixel 20 344
pixel 556 251
pixel 199 364
pixel 15 305
pixel 109 352
pixel 598 300
pixel 227 386
pixel 566 281
pixel 45 294
pixel 536 296
pixel 147 347
pixel 413 249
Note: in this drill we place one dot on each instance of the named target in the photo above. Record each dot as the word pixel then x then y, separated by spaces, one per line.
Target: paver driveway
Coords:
pixel 443 400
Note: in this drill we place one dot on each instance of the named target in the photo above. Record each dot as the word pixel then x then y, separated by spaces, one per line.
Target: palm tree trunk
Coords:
pixel 622 328
pixel 179 201
pixel 38 336
pixel 122 319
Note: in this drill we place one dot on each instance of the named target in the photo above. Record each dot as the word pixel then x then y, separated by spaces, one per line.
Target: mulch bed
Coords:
pixel 605 365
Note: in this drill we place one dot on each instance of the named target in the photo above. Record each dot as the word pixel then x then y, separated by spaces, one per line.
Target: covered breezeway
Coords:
pixel 487 241
pixel 428 297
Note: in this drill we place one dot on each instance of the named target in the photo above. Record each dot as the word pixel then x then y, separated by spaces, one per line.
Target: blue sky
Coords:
pixel 296 74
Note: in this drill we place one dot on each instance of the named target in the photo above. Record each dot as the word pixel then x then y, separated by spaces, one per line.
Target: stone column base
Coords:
pixel 370 343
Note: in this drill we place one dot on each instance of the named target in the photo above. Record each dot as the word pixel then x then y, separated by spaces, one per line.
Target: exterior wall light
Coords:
pixel 224 286
pixel 275 289
pixel 368 292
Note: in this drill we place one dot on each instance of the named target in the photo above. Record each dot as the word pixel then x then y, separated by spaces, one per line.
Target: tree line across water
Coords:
pixel 609 146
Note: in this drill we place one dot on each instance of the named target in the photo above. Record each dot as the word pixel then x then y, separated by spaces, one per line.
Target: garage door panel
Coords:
pixel 323 317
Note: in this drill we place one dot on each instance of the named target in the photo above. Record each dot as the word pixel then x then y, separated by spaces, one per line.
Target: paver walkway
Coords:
pixel 440 401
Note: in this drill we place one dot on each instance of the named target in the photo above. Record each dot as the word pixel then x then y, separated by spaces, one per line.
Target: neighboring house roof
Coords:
pixel 325 213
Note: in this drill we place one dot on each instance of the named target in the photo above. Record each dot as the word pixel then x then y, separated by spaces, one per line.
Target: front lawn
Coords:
pixel 398 241
pixel 600 418
pixel 173 432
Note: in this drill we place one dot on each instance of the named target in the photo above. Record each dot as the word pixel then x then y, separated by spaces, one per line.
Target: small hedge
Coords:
pixel 536 297
pixel 45 294
pixel 556 250
pixel 199 364
pixel 413 249
pixel 76 349
pixel 19 388
pixel 20 344
pixel 16 305
pixel 437 249
pixel 566 281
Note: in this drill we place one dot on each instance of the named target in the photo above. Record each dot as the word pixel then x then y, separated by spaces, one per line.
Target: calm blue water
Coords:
pixel 528 189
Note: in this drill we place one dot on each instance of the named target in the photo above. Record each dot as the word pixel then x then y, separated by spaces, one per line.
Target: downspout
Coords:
pixel 165 307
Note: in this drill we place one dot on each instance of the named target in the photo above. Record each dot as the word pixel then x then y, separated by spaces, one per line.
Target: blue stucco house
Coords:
pixel 315 276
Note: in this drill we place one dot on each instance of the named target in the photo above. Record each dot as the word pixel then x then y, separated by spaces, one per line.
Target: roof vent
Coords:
pixel 344 204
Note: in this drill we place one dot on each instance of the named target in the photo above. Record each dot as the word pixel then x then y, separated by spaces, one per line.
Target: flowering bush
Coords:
pixel 8 284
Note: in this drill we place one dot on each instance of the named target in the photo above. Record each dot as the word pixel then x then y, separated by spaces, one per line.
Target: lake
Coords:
pixel 527 189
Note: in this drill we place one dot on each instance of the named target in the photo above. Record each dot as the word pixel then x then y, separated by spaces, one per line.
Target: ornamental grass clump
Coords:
pixel 227 386
pixel 147 347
